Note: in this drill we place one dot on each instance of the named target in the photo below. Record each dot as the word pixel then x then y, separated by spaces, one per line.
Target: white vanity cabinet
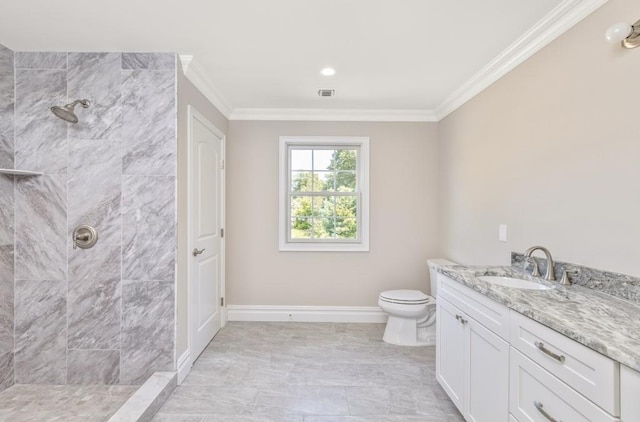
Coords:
pixel 472 361
pixel 629 395
pixel 498 365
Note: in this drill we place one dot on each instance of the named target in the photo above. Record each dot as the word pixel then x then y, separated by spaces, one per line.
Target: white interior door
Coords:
pixel 206 222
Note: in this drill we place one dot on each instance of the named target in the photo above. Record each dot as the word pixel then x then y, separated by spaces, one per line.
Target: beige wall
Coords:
pixel 553 151
pixel 188 94
pixel 404 168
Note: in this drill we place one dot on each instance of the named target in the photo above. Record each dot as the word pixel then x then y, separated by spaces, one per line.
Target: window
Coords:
pixel 324 193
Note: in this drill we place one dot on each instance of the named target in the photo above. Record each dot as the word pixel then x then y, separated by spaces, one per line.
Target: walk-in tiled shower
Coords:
pixel 103 315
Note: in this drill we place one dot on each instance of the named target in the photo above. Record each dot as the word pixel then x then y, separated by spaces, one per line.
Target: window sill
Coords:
pixel 326 247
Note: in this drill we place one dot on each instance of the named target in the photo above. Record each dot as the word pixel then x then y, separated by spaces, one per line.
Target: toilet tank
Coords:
pixel 433 274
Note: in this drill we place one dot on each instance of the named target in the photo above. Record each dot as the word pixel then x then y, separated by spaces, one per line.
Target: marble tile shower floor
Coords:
pixel 309 372
pixel 68 403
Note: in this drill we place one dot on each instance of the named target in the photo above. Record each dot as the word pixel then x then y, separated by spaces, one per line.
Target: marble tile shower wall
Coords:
pixel 106 314
pixel 6 217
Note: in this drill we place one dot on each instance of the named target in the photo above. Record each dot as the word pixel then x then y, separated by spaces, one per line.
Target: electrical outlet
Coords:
pixel 502 232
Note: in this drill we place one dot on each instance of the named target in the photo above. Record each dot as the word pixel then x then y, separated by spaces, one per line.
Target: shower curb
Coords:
pixel 148 399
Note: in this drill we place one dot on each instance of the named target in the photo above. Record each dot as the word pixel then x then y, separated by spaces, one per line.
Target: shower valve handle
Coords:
pixel 84 236
pixel 81 237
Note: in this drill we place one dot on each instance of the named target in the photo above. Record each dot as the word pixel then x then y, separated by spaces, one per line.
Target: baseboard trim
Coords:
pixel 184 366
pixel 362 314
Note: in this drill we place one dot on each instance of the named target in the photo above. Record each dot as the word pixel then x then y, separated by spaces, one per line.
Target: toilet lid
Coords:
pixel 415 297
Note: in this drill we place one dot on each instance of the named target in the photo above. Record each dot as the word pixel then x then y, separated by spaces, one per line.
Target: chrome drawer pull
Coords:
pixel 540 346
pixel 540 407
pixel 462 320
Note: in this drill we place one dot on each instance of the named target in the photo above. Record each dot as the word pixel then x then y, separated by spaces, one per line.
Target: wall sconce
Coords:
pixel 627 35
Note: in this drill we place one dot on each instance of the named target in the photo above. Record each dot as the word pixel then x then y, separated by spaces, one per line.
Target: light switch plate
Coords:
pixel 502 232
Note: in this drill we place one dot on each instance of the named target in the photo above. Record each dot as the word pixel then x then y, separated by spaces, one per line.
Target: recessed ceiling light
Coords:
pixel 328 71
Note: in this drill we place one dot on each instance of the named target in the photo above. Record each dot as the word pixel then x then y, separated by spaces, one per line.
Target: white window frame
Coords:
pixel 362 186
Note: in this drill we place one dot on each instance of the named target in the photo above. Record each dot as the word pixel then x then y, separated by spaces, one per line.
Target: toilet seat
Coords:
pixel 405 297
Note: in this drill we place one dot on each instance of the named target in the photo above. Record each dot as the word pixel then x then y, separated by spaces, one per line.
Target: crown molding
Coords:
pixel 559 20
pixel 333 115
pixel 196 74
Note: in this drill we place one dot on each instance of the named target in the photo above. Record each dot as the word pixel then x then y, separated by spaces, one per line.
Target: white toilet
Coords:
pixel 412 314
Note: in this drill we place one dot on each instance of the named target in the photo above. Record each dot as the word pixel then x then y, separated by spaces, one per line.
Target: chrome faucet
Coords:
pixel 551 274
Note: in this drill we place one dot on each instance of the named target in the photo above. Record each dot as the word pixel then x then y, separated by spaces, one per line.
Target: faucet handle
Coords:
pixel 566 277
pixel 535 272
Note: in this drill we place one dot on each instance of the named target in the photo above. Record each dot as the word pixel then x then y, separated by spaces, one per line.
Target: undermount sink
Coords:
pixel 516 283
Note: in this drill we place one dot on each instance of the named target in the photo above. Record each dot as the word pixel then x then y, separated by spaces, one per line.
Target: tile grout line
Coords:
pixel 14 215
pixel 66 369
pixel 121 217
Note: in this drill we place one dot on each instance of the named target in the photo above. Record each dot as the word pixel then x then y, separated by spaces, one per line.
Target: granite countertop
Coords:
pixel 604 323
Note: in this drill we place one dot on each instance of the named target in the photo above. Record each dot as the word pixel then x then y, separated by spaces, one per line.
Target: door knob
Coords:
pixel 197 251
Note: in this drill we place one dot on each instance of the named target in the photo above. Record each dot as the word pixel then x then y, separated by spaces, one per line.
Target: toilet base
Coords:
pixel 405 332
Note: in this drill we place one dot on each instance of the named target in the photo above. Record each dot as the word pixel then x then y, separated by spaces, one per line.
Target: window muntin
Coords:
pixel 324 193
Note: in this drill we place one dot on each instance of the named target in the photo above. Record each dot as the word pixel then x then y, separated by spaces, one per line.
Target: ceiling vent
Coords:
pixel 327 92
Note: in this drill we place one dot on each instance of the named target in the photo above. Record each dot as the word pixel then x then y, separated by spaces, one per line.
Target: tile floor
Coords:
pixel 309 372
pixel 68 403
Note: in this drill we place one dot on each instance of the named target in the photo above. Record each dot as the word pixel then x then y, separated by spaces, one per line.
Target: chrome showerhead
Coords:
pixel 66 112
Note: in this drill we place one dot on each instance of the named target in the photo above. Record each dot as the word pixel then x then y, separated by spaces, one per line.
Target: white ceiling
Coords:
pixel 389 55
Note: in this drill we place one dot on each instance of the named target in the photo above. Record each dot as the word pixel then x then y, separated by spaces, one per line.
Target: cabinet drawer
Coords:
pixel 487 312
pixel 593 375
pixel 534 391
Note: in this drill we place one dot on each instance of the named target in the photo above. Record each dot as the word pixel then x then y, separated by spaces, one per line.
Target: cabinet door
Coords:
pixel 487 394
pixel 450 351
pixel 630 393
